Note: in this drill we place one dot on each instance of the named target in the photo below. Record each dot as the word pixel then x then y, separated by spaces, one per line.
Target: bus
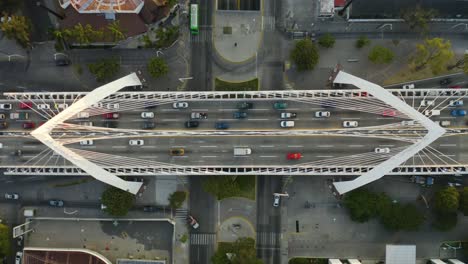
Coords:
pixel 194 19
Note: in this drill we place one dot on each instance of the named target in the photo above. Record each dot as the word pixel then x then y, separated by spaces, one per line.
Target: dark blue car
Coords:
pixel 239 115
pixel 458 112
pixel 221 125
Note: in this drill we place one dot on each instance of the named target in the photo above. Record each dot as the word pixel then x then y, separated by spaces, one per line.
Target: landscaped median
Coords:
pixel 230 186
pixel 251 85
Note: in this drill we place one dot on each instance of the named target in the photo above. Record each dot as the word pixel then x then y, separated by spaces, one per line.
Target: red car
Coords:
pixel 293 156
pixel 25 105
pixel 29 125
pixel 455 86
pixel 389 113
pixel 111 116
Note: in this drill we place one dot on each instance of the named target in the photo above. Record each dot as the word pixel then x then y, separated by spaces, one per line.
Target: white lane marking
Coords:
pixel 295 146
pixel 350 118
pixel 448 145
pixel 148 146
pixel 268 156
pixel 178 147
pixel 258 119
pixel 209 156
pixel 324 156
pixel 28 146
pixel 260 109
pixel 179 156
pixel 289 109
pixel 202 110
pixel 389 118
pixel 93 147
pixel 227 110
pixel 325 146
pixel 231 119
pixel 208 146
pixel 119 147
pixel 356 146
pixel 169 110
pixel 386 145
pixel 267 146
pixel 165 120
pixel 3 156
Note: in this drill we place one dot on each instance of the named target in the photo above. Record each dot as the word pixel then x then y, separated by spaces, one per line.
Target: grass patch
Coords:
pixel 246 186
pixel 223 187
pixel 184 238
pixel 76 182
pixel 251 85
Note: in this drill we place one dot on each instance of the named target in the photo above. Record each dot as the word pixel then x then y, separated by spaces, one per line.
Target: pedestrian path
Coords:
pixel 267 239
pixel 202 239
pixel 181 213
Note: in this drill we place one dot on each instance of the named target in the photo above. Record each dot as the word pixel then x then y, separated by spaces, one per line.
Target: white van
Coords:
pixel 432 112
pixel 242 151
pixel 408 86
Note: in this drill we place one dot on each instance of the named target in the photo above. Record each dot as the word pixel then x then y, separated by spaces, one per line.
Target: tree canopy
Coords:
pixel 381 55
pixel 402 217
pixel 10 6
pixel 157 67
pixel 418 17
pixel 221 186
pixel 464 201
pixel 5 246
pixel 104 68
pixel 445 221
pixel 435 53
pixel 176 199
pixel 447 200
pixel 17 28
pixel 362 41
pixel 166 36
pixel 305 55
pixel 242 251
pixel 118 202
pixel 363 204
pixel 326 40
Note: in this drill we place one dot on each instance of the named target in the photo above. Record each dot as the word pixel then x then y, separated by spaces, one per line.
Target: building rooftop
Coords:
pixel 62 256
pixel 100 6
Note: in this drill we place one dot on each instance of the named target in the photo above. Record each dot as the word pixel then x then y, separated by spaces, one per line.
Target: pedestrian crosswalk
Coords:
pixel 269 23
pixel 202 239
pixel 202 36
pixel 267 238
pixel 181 213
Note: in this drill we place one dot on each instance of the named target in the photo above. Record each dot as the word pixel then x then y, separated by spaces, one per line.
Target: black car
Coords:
pixel 149 125
pixel 110 124
pixel 56 203
pixel 149 208
pixel 445 81
pixel 62 62
pixel 191 124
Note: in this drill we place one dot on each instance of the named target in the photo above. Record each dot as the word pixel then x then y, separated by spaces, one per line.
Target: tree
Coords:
pixel 242 251
pixel 363 204
pixel 402 217
pixel 464 201
pixel 435 53
pixel 5 246
pixel 166 36
pixel 417 18
pixel 17 28
pixel 362 41
pixel 116 31
pixel 326 41
pixel 220 186
pixel 104 68
pixel 380 55
pixel 157 67
pixel 447 200
pixel 445 221
pixel 118 202
pixel 176 199
pixel 305 55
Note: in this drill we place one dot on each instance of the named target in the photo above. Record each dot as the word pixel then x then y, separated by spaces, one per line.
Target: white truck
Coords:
pixel 83 115
pixel 29 212
pixel 242 151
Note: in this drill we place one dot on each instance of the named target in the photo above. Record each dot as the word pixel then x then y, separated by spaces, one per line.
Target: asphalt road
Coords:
pixel 458 79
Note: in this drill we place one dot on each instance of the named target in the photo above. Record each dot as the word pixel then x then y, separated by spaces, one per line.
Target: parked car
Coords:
pixel 280 105
pixel 196 115
pixel 288 115
pixel 88 142
pixel 111 115
pixel 18 257
pixel 149 125
pixel 136 142
pixel 426 103
pixel 25 105
pixel 11 196
pixel 192 124
pixel 276 200
pixel 445 81
pixel 455 103
pixel 287 124
pixel 192 222
pixel 240 115
pixel 43 106
pixel 294 156
pixel 382 150
pixel 454 184
pixel 56 203
pixel 245 105
pixel 29 125
pixel 180 105
pixel 5 106
pixel 177 152
pixel 458 112
pixel 444 123
pixel 149 208
pixel 389 113
pixel 147 115
pixel 60 106
pixel 62 62
pixel 320 114
pixel 221 125
pixel 350 123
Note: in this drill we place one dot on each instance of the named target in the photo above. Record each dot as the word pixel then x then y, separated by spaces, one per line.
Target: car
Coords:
pixel 239 115
pixel 408 86
pixel 56 203
pixel 2 116
pixel 454 184
pixel 455 103
pixel 294 156
pixel 322 114
pixel 288 115
pixel 221 125
pixel 149 125
pixel 147 115
pixel 136 142
pixel 192 222
pixel 5 106
pixel 180 105
pixel 28 125
pixel 445 81
pixel 426 103
pixel 177 152
pixel 62 62
pixel 444 123
pixel 3 125
pixel 60 106
pixel 111 115
pixel 287 124
pixel 88 142
pixel 245 105
pixel 382 150
pixel 389 113
pixel 25 105
pixel 86 123
pixel 18 257
pixel 192 124
pixel 350 123
pixel 149 208
pixel 455 86
pixel 11 196
pixel 43 106
pixel 276 200
pixel 458 112
pixel 197 115
pixel 113 106
pixel 280 105
pixel 432 112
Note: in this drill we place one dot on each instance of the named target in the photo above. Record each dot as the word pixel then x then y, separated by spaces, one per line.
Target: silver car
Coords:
pixel 350 124
pixel 180 105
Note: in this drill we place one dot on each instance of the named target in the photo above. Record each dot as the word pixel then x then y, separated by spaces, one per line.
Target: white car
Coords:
pixel 408 86
pixel 322 114
pixel 350 124
pixel 88 142
pixel 61 106
pixel 287 123
pixel 5 106
pixel 276 200
pixel 112 106
pixel 87 123
pixel 147 115
pixel 11 196
pixel 427 103
pixel 408 123
pixel 136 142
pixel 455 103
pixel 382 150
pixel 18 257
pixel 288 115
pixel 43 106
pixel 432 112
pixel 180 105
pixel 454 184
